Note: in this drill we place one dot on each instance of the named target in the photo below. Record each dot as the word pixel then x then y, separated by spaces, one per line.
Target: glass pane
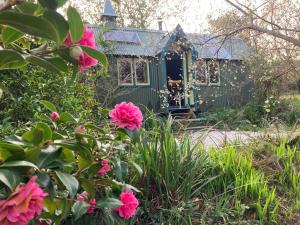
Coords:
pixel 125 74
pixel 201 71
pixel 214 75
pixel 141 72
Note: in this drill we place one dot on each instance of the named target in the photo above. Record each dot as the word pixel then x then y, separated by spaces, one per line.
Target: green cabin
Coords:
pixel 167 70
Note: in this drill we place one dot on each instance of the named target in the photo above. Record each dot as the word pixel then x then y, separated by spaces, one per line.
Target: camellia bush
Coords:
pixel 62 170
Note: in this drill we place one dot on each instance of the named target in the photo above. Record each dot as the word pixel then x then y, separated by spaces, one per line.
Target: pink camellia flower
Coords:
pixel 130 204
pixel 83 197
pixel 104 162
pixel 23 205
pixel 126 115
pixel 104 170
pixel 54 116
pixel 88 39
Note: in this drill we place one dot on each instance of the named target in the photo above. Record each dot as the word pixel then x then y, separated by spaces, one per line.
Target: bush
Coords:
pixel 24 89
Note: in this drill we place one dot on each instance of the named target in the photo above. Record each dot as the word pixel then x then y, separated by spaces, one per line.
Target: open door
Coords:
pixel 175 81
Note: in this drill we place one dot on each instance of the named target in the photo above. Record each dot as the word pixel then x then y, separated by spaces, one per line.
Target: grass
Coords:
pixel 253 116
pixel 254 184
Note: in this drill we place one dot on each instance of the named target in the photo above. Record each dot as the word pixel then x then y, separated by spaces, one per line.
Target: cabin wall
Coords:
pixel 235 88
pixel 142 96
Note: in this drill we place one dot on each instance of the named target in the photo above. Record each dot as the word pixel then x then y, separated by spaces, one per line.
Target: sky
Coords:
pixel 194 18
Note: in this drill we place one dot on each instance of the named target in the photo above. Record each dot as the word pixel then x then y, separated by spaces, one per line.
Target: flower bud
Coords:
pixel 80 129
pixel 54 116
pixel 76 52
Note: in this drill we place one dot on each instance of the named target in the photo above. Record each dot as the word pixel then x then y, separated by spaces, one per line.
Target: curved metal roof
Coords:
pixel 144 42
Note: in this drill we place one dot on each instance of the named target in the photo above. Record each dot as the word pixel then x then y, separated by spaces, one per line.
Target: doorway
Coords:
pixel 174 69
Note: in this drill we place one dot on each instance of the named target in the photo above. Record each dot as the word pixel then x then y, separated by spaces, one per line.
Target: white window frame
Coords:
pixel 119 60
pixel 135 60
pixel 206 73
pixel 219 71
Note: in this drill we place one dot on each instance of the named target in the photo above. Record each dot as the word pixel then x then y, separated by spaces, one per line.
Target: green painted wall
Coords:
pixel 235 87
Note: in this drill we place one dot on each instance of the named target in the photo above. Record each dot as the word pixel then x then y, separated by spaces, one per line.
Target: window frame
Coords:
pixel 119 60
pixel 135 60
pixel 206 72
pixel 219 72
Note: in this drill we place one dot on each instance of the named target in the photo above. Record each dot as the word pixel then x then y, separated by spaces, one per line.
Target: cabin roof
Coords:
pixel 145 42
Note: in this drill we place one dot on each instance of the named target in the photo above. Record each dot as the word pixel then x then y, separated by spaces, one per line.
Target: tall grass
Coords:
pixel 182 184
pixel 174 174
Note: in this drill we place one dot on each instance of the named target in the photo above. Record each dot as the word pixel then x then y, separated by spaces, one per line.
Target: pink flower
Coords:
pixel 23 205
pixel 80 129
pixel 54 116
pixel 84 198
pixel 126 115
pixel 130 204
pixel 104 162
pixel 104 170
pixel 88 39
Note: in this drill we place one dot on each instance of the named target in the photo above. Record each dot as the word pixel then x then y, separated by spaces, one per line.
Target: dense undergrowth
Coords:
pixel 254 116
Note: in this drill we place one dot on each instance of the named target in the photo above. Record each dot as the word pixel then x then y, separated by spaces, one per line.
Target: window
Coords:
pixel 214 72
pixel 201 72
pixel 125 72
pixel 133 71
pixel 141 72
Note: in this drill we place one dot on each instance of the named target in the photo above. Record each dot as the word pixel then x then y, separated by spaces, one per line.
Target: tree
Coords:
pixel 271 29
pixel 130 12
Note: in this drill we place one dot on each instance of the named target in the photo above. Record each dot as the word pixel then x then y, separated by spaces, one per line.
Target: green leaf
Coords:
pixel 12 147
pixel 48 105
pixel 137 167
pixel 67 117
pixel 79 209
pixel 83 163
pixel 4 154
pixel 88 186
pixel 43 180
pixel 61 2
pixel 10 35
pixel 49 4
pixel 58 62
pixel 59 24
pixel 69 181
pixel 10 59
pixel 111 203
pixel 27 8
pixel 10 178
pixel 18 164
pixel 75 23
pixel 47 156
pixel 48 63
pixel 47 135
pixel 31 25
pixel 96 55
pixel 34 136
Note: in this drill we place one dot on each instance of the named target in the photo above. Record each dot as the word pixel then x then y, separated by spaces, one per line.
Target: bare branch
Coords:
pixel 7 4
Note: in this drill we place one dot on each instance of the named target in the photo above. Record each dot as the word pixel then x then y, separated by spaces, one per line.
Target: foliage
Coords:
pixel 66 162
pixel 174 175
pixel 255 115
pixel 183 184
pixel 41 22
pixel 24 89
